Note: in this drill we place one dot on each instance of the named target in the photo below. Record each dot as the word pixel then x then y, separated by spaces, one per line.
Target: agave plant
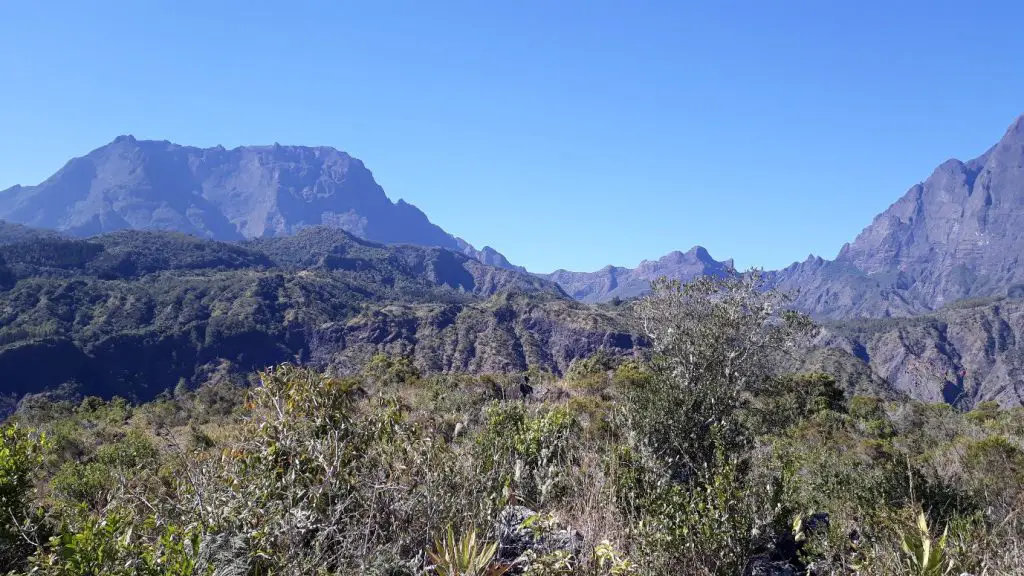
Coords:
pixel 465 557
pixel 926 556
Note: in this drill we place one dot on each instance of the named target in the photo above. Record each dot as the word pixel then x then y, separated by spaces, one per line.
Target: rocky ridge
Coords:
pixel 220 194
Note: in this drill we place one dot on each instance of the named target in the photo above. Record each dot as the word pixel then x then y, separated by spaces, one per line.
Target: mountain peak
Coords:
pixel 611 282
pixel 1017 128
pixel 245 192
pixel 1013 138
pixel 673 256
pixel 955 235
pixel 702 254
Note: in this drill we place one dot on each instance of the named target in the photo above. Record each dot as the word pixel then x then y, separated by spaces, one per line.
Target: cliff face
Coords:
pixel 131 312
pixel 959 234
pixel 964 354
pixel 246 192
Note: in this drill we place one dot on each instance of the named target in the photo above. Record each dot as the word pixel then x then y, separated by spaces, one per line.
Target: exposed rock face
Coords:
pixel 959 234
pixel 247 192
pixel 516 538
pixel 963 354
pixel 506 334
pixel 612 281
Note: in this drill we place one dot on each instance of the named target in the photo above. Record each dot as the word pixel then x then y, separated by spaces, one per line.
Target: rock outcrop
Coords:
pixel 523 535
pixel 963 354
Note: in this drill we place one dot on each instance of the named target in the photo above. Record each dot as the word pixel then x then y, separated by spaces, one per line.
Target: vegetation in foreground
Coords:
pixel 707 457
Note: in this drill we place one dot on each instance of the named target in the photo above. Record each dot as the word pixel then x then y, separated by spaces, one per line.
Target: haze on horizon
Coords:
pixel 565 136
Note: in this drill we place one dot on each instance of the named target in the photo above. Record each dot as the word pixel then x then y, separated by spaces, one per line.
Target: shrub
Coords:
pixel 714 340
pixel 21 454
pixel 785 401
pixel 528 455
pixel 466 556
pixel 115 545
pixel 983 412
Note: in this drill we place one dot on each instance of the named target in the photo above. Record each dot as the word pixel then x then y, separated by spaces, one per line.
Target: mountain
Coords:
pixel 959 234
pixel 963 354
pixel 132 312
pixel 246 192
pixel 617 282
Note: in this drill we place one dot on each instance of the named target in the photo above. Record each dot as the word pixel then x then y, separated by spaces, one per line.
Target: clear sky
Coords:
pixel 564 133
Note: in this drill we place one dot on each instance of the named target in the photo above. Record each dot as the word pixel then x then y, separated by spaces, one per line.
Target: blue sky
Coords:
pixel 566 134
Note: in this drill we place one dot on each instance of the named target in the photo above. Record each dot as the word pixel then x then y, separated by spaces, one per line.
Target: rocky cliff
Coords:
pixel 131 312
pixel 964 354
pixel 246 192
pixel 959 234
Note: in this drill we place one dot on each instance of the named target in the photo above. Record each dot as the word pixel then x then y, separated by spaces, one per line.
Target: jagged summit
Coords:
pixel 618 282
pixel 958 234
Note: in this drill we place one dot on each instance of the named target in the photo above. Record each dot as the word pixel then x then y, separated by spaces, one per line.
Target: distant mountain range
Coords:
pixel 617 282
pixel 929 297
pixel 220 194
pixel 959 234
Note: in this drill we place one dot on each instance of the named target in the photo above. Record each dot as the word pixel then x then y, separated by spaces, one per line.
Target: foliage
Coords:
pixel 792 398
pixel 114 545
pixel 384 370
pixel 607 558
pixel 465 556
pixel 309 472
pixel 714 340
pixel 525 454
pixel 925 554
pixel 20 456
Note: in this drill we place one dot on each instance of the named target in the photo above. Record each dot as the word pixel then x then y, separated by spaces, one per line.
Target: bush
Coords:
pixel 115 545
pixel 789 399
pixel 528 456
pixel 21 455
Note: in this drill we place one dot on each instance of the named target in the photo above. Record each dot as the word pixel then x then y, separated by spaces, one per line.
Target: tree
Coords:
pixel 384 370
pixel 715 341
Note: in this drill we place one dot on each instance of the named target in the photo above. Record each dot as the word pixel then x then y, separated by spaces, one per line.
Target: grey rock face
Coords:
pixel 507 336
pixel 962 355
pixel 612 281
pixel 247 192
pixel 516 538
pixel 959 234
pixel 763 566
